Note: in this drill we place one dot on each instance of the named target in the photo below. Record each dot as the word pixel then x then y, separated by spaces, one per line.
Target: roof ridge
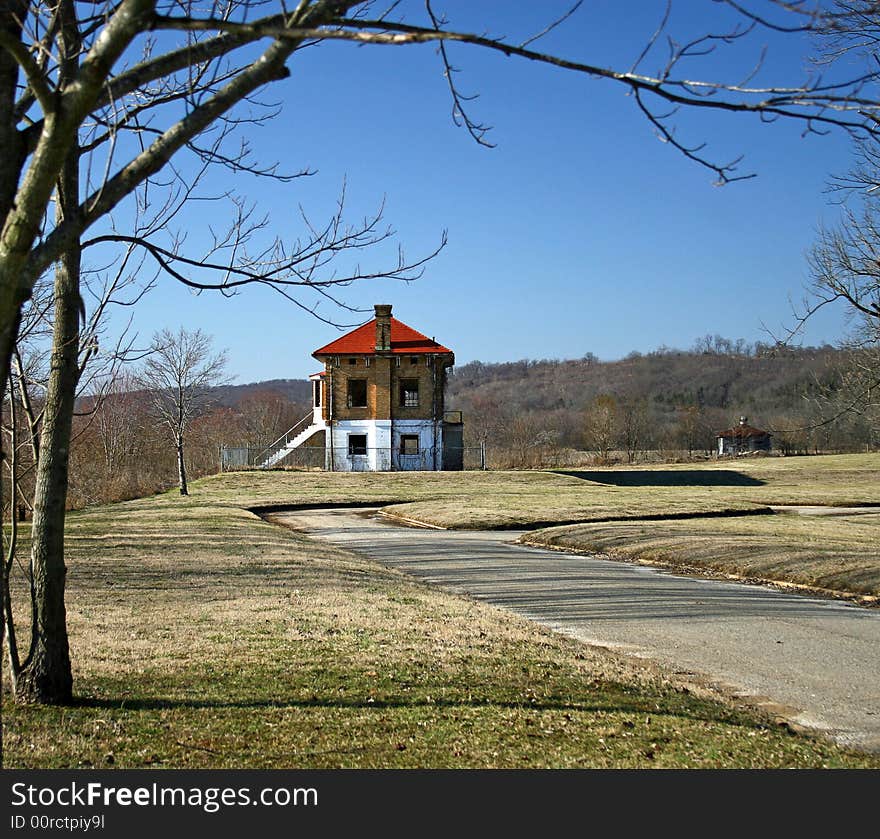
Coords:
pixel 361 341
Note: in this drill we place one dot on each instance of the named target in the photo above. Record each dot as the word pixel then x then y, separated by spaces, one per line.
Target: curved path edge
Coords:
pixel 815 662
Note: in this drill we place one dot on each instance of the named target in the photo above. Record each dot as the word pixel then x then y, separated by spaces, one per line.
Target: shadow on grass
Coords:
pixel 679 706
pixel 671 478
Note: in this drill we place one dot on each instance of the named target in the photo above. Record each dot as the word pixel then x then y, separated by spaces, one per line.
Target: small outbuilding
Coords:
pixel 743 438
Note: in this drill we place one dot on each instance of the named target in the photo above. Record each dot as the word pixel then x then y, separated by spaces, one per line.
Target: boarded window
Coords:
pixel 409 443
pixel 409 393
pixel 357 393
pixel 357 444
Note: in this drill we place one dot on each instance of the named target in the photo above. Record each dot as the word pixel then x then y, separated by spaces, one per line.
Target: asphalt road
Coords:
pixel 814 661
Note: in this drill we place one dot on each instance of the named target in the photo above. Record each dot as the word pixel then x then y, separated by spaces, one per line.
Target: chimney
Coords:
pixel 383 327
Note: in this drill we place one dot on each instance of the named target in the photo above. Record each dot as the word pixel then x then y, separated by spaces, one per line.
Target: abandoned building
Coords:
pixel 378 403
pixel 743 438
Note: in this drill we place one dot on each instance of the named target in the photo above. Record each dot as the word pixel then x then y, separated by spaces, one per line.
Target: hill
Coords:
pixel 679 399
pixel 298 391
pixel 669 399
pixel 666 405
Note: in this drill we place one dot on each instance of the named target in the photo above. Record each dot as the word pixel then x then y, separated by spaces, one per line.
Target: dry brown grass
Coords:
pixel 203 636
pixel 834 554
pixel 839 554
pixel 507 499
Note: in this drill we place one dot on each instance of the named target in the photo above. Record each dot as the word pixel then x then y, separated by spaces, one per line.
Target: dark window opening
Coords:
pixel 357 393
pixel 317 390
pixel 413 359
pixel 352 361
pixel 409 443
pixel 357 444
pixel 409 393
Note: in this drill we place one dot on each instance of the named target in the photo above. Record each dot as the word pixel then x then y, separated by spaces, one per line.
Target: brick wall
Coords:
pixel 383 378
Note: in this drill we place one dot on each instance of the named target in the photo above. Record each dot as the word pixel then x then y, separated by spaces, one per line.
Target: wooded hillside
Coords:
pixel 666 400
pixel 666 405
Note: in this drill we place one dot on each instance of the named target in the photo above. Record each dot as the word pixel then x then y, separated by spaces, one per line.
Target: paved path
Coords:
pixel 817 660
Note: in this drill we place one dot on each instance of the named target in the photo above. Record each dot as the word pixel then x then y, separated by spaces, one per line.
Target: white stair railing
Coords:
pixel 263 458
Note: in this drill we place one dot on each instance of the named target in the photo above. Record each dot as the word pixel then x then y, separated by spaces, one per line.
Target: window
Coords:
pixel 357 393
pixel 413 359
pixel 316 386
pixel 409 393
pixel 352 361
pixel 357 444
pixel 368 361
pixel 397 361
pixel 409 443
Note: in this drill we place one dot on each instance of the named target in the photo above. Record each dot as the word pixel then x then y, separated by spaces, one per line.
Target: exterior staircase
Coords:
pixel 290 440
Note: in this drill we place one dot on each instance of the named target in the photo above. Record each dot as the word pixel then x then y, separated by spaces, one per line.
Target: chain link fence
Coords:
pixel 344 459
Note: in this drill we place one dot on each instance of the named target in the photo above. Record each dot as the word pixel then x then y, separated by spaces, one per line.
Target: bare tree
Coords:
pixel 845 259
pixel 137 83
pixel 178 374
pixel 265 415
pixel 140 116
pixel 691 428
pixel 40 664
pixel 634 427
pixel 115 413
pixel 601 423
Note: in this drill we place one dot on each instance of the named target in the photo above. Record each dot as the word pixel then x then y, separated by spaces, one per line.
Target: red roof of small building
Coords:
pixel 743 431
pixel 362 341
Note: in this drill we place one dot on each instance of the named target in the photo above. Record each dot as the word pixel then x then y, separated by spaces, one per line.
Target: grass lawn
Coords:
pixel 204 637
pixel 838 554
pixel 512 498
pixel 507 499
pixel 833 553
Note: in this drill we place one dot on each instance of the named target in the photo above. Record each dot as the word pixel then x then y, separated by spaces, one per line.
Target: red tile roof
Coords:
pixel 362 341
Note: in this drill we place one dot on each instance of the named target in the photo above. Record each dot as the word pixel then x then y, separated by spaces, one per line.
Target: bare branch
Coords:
pixel 817 102
pixel 553 25
pixel 33 72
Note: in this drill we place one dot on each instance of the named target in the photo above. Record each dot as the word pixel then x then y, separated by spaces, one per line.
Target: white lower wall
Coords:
pixel 383 446
pixel 378 456
pixel 430 456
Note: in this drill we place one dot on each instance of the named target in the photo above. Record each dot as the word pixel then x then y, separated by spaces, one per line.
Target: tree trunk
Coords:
pixel 46 675
pixel 181 466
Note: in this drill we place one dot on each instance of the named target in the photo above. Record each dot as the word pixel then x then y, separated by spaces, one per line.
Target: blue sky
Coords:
pixel 580 232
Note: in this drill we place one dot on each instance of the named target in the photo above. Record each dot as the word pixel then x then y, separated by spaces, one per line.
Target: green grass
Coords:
pixel 203 636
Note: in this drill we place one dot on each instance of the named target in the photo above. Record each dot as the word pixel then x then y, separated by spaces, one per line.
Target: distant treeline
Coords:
pixel 664 405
